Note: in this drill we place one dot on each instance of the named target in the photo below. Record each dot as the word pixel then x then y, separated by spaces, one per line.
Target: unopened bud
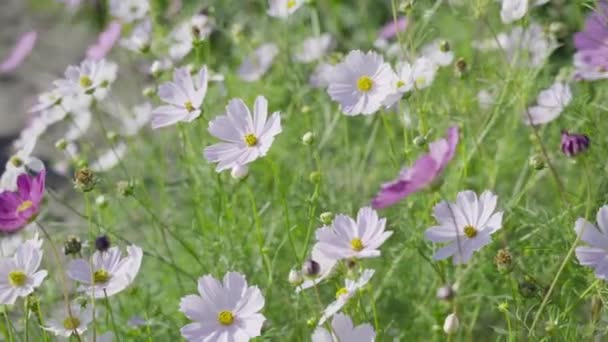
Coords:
pixel 125 188
pixel 240 172
pixel 419 141
pixel 102 243
pixel 445 293
pixel 537 162
pixel 503 307
pixel 503 260
pixel 72 245
pixel 311 268
pixel 444 46
pixel 295 277
pixel 315 177
pixel 461 67
pixel 308 138
pixel 326 217
pixel 451 324
pixel 527 289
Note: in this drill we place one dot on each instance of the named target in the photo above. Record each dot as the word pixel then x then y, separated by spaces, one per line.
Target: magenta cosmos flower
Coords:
pixel 20 207
pixel 423 173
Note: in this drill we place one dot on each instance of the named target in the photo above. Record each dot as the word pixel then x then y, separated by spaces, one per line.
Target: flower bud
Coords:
pixel 573 144
pixel 420 141
pixel 326 217
pixel 308 138
pixel 503 307
pixel 101 201
pixel 558 29
pixel 451 324
pixel 537 162
pixel 125 188
pixel 460 67
pixel 315 177
pixel 85 179
pixel 444 46
pixel 295 277
pixel 240 172
pixel 149 91
pixel 503 260
pixel 527 289
pixel 61 144
pixel 102 243
pixel 311 268
pixel 72 245
pixel 445 293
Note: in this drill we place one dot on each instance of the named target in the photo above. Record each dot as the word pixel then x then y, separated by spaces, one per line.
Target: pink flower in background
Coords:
pixel 391 28
pixel 590 61
pixel 22 49
pixel 18 208
pixel 423 173
pixel 105 41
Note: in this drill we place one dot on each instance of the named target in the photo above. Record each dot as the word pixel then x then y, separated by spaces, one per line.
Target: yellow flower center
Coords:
pixel 16 161
pixel 25 205
pixel 291 4
pixel 400 84
pixel 365 84
pixel 189 107
pixel 470 232
pixel 100 276
pixel 85 81
pixel 251 140
pixel 420 81
pixel 17 278
pixel 341 292
pixel 225 317
pixel 356 244
pixel 71 323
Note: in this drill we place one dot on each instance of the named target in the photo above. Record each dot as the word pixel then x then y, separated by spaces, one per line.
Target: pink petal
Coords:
pixel 22 49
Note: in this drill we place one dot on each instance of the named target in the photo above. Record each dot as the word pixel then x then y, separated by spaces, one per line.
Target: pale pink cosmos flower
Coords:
pixel 391 28
pixel 105 41
pixel 23 48
pixel 425 170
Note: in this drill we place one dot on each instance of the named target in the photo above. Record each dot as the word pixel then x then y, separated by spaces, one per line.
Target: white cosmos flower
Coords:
pixel 142 114
pixel 129 10
pixel 110 158
pixel 512 10
pixel 246 137
pixel 345 294
pixel 314 48
pixel 15 166
pixel 283 8
pixel 433 52
pixel 466 225
pixel 65 323
pixel 107 273
pixel 549 104
pixel 199 27
pixel 184 97
pixel 19 275
pixel 139 40
pixel 79 123
pixel 91 78
pixel 408 77
pixel 595 255
pixel 348 239
pixel 361 83
pixel 326 266
pixel 485 99
pixel 343 330
pixel 227 311
pixel 258 63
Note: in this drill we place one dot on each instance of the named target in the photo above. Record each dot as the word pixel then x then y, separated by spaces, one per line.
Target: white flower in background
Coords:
pixel 361 83
pixel 408 77
pixel 160 65
pixel 348 239
pixel 283 8
pixel 16 165
pixel 246 137
pixel 435 52
pixel 19 275
pixel 66 323
pixel 90 78
pixel 549 104
pixel 466 225
pixel 345 294
pixel 314 48
pixel 139 40
pixel 107 273
pixel 142 114
pixel 184 97
pixel 110 158
pixel 485 99
pixel 129 10
pixel 79 123
pixel 343 330
pixel 258 63
pixel 321 267
pixel 320 77
pixel 531 42
pixel 227 311
pixel 182 38
pixel 595 255
pixel 451 324
pixel 513 10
